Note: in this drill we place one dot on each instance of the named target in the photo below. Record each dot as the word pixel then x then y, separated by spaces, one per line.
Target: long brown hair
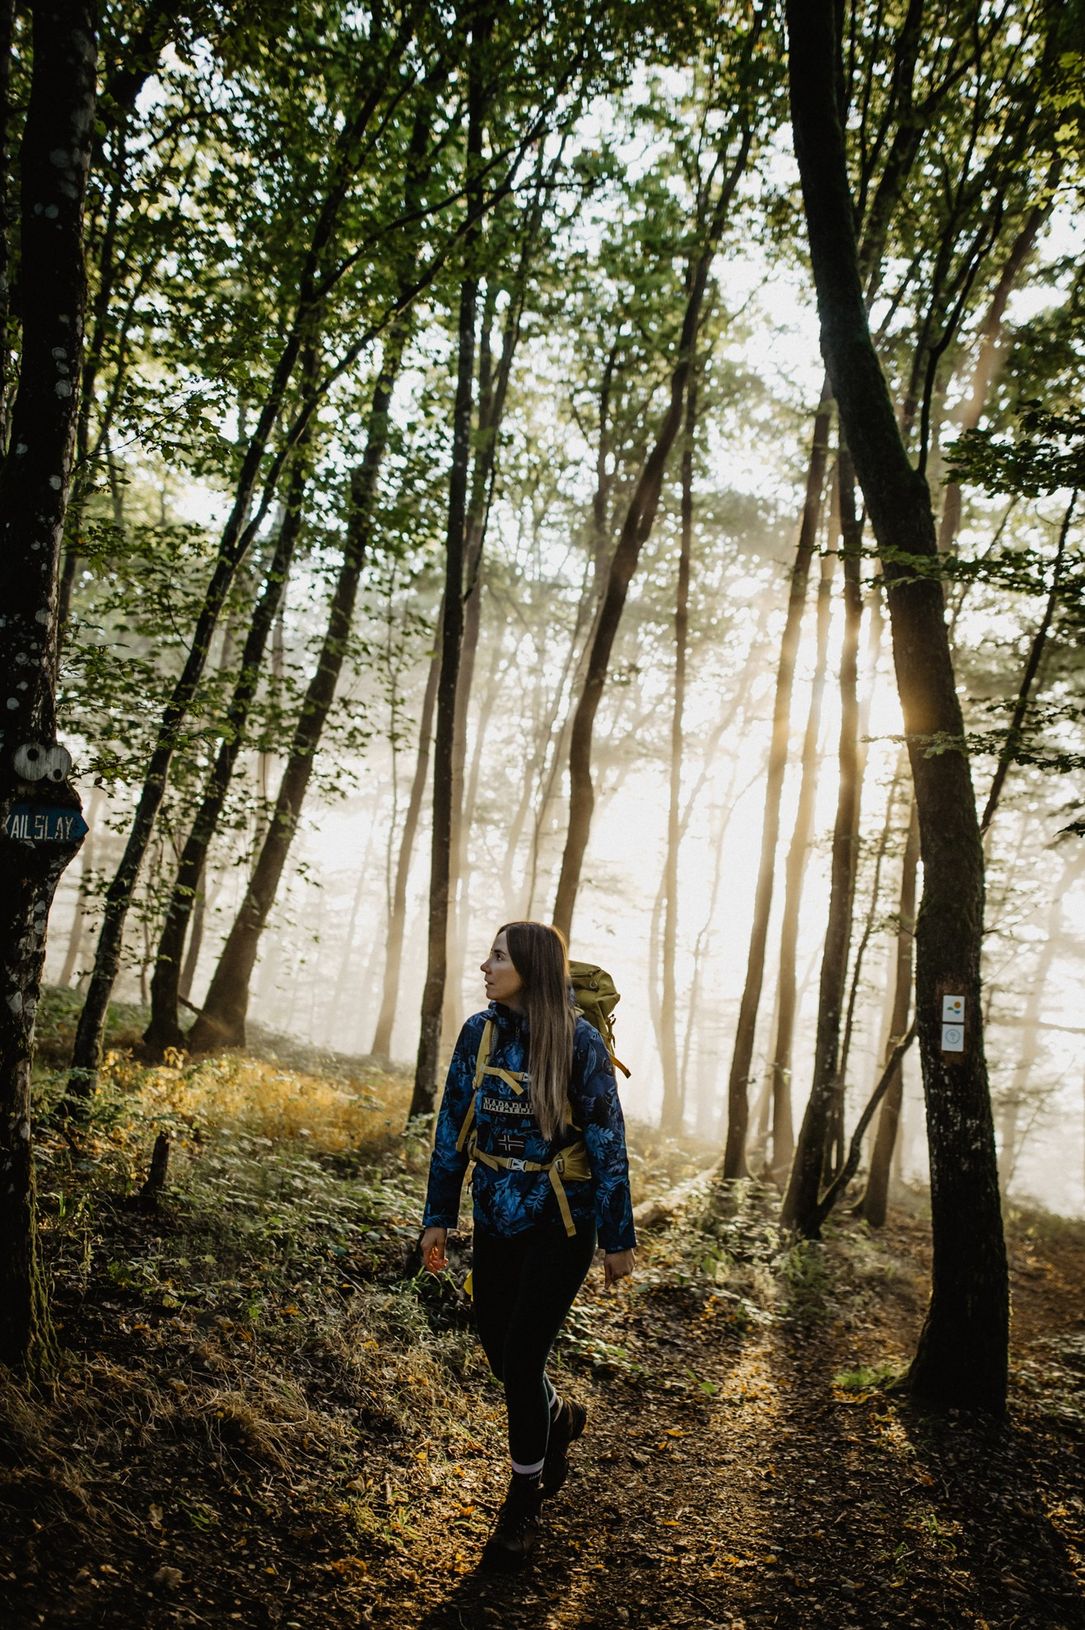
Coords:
pixel 541 958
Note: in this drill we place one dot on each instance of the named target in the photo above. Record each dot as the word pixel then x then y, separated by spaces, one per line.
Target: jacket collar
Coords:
pixel 508 1020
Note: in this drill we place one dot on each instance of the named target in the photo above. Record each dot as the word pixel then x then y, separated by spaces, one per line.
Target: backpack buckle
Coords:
pixel 514 1165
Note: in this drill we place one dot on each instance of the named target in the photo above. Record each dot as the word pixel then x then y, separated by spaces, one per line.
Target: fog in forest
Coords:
pixel 323 960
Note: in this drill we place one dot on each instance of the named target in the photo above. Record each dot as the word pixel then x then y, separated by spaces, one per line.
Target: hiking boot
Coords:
pixel 565 1428
pixel 517 1528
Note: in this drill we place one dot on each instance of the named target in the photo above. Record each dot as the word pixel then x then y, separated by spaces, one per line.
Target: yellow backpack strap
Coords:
pixel 572 1163
pixel 481 1060
pixel 515 1078
pixel 482 1057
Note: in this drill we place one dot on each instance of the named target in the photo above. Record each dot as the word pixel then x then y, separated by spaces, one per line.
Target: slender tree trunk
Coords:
pixel 164 1029
pixel 673 1085
pixel 961 1359
pixel 783 1131
pixel 1016 1096
pixel 83 893
pixel 640 515
pixel 734 1160
pixel 989 356
pixel 397 918
pixel 1037 647
pixel 800 1201
pixel 221 1021
pixel 40 822
pixel 870 924
pixel 195 943
pixel 492 391
pixel 7 29
pixel 429 1040
pixel 92 363
pixel 636 529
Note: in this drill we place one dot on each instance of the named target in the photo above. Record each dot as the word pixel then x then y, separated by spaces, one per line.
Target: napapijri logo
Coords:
pixel 507 1143
pixel 505 1106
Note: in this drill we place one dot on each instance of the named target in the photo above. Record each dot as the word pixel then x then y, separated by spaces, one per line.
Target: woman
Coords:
pixel 531 1096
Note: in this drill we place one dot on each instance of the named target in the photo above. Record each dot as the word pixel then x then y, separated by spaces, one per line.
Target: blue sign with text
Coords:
pixel 44 823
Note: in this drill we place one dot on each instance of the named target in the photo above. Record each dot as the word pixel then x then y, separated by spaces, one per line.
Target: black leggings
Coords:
pixel 523 1288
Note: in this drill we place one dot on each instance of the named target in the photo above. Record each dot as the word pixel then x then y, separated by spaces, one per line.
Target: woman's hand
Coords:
pixel 616 1264
pixel 432 1246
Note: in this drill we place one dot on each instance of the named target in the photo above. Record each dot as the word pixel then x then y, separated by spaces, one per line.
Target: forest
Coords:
pixel 609 464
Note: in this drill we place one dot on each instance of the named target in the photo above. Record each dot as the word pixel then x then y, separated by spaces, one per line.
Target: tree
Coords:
pixel 961 1358
pixel 36 794
pixel 451 632
pixel 743 88
pixel 318 268
pixel 800 1199
pixel 164 1029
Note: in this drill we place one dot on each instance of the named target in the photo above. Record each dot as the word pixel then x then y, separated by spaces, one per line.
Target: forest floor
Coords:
pixel 263 1416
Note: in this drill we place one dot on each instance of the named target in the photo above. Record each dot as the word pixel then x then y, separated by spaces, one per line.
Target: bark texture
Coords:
pixel 35 482
pixel 961 1358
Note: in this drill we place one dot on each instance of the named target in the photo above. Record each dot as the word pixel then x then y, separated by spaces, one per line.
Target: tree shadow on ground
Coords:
pixel 1006 1497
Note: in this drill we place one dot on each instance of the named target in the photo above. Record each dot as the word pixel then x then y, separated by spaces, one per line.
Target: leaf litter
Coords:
pixel 266 1416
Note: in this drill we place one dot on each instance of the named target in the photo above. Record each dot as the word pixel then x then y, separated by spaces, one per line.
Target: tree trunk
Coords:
pixel 195 943
pixel 165 1022
pixel 734 1159
pixel 640 515
pixel 875 1198
pixel 221 1021
pixel 961 1359
pixel 673 1085
pixel 164 1029
pixel 7 29
pixel 36 795
pixel 783 1131
pixel 429 1039
pixel 1015 1099
pixel 397 917
pixel 83 892
pixel 870 925
pixel 636 529
pixel 823 1107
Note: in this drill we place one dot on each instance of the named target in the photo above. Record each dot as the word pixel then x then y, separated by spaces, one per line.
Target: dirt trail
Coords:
pixel 736 1486
pixel 280 1429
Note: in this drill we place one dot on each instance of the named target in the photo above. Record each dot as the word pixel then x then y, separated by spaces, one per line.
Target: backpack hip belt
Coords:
pixel 570 1162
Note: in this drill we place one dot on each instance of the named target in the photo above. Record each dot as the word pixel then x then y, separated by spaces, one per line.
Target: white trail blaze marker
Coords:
pixel 953 1024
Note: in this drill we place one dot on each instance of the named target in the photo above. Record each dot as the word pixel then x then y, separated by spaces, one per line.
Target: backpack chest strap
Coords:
pixel 516 1079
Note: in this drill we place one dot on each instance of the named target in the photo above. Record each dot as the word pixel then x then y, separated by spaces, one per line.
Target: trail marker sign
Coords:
pixel 44 823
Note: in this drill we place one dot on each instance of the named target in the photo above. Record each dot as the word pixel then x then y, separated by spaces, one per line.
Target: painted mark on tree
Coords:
pixel 42 823
pixel 952 1024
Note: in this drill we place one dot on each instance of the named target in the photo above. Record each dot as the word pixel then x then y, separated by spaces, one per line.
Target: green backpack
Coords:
pixel 596 997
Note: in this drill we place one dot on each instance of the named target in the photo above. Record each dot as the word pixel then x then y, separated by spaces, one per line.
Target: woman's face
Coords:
pixel 503 983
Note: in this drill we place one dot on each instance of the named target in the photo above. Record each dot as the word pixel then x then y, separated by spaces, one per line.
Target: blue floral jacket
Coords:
pixel 507 1202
